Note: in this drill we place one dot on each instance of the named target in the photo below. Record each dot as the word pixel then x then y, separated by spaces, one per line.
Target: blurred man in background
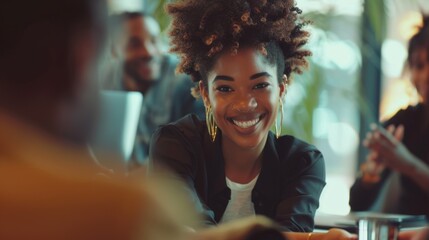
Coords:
pixel 145 68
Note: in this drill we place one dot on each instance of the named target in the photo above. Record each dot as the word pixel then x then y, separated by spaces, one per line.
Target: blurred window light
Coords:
pixel 343 55
pixel 399 94
pixel 345 7
pixel 295 95
pixel 409 24
pixel 333 53
pixel 335 195
pixel 343 138
pixel 394 55
pixel 322 119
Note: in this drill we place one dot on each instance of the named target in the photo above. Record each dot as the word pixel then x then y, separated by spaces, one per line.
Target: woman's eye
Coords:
pixel 224 89
pixel 261 85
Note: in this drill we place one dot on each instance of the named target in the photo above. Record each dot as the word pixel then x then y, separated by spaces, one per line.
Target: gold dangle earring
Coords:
pixel 211 125
pixel 279 128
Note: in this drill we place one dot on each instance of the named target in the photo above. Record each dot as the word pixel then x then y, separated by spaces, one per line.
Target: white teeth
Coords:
pixel 246 124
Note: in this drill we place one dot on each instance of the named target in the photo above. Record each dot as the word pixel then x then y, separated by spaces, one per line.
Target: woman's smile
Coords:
pixel 246 122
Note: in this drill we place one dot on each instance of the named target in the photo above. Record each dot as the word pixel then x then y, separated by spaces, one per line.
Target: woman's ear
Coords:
pixel 204 93
pixel 283 86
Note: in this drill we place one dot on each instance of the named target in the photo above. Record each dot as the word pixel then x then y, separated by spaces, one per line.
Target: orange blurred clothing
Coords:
pixel 51 191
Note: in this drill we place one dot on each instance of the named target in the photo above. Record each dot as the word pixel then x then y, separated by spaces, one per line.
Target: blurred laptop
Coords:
pixel 113 141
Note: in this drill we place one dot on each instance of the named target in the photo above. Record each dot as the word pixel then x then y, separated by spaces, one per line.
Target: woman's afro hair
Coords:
pixel 203 29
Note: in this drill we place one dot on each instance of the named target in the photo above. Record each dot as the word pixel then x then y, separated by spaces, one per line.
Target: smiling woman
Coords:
pixel 242 55
pixel 244 94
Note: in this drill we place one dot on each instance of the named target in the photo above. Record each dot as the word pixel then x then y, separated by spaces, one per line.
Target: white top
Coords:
pixel 240 205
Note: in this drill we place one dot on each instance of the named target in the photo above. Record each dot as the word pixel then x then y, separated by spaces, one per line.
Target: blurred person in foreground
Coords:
pixel 402 146
pixel 243 55
pixel 420 234
pixel 145 68
pixel 49 187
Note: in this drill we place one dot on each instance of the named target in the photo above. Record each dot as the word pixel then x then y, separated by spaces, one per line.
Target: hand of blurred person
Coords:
pixel 332 234
pixel 422 234
pixel 242 229
pixel 392 153
pixel 337 234
pixel 388 150
pixel 371 169
pixel 249 229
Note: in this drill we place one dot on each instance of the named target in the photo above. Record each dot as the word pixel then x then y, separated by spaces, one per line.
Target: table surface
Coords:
pixel 348 222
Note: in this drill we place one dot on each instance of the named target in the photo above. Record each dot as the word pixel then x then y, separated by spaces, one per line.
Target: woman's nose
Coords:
pixel 245 103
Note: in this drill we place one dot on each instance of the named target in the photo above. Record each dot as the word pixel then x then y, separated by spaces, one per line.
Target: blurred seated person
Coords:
pixel 143 67
pixel 49 190
pixel 403 146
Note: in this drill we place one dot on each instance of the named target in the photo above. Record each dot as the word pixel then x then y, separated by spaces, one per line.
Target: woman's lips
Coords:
pixel 246 124
pixel 249 122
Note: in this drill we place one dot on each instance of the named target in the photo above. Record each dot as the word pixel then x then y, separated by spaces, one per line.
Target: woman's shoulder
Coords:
pixel 290 148
pixel 293 144
pixel 185 133
pixel 189 126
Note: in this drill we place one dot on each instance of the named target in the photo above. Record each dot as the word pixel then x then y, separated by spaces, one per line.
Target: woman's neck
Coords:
pixel 241 164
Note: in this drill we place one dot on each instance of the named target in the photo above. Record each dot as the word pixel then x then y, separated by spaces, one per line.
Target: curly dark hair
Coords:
pixel 419 41
pixel 201 30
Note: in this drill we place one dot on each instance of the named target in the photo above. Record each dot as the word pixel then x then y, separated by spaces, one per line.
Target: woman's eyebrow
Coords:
pixel 254 76
pixel 258 75
pixel 222 77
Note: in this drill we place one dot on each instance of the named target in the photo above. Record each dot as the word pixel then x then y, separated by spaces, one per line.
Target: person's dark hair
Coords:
pixel 201 30
pixel 419 41
pixel 45 57
pixel 38 36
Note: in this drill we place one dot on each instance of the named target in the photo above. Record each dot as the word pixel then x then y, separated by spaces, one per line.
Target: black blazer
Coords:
pixel 288 187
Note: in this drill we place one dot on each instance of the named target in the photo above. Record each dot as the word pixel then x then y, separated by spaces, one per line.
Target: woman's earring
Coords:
pixel 279 128
pixel 211 125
